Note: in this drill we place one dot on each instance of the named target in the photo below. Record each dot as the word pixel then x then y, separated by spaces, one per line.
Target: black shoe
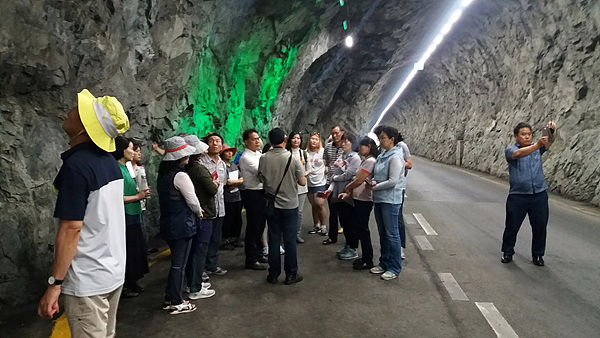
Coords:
pixel 538 260
pixel 271 280
pixel 227 246
pixel 137 288
pixel 506 258
pixel 256 266
pixel 362 266
pixel 293 279
pixel 263 259
pixel 236 243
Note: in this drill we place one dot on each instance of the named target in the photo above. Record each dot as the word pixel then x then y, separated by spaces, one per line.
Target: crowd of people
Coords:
pixel 272 185
pixel 202 187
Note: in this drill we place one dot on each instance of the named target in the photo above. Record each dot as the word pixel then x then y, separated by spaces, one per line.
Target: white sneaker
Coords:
pixel 323 230
pixel 204 293
pixel 402 255
pixel 204 286
pixel 377 269
pixel 388 275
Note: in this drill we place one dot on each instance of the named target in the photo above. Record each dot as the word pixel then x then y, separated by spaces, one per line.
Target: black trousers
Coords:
pixel 333 218
pixel 346 216
pixel 517 207
pixel 362 213
pixel 254 202
pixel 401 227
pixel 232 225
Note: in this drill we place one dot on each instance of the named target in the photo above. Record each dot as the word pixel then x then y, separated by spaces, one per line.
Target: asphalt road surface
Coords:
pixel 452 283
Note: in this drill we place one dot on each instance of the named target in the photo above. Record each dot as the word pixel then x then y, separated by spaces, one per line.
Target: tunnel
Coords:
pixel 454 77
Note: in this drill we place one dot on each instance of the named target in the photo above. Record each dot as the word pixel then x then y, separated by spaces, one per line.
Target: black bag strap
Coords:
pixel 287 166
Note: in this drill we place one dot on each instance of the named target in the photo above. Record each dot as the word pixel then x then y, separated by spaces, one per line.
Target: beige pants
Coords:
pixel 94 316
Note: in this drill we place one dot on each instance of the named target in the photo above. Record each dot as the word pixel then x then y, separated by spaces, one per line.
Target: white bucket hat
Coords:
pixel 176 149
pixel 195 142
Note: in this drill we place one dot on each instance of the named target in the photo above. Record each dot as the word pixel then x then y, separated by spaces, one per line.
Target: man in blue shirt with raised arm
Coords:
pixel 527 195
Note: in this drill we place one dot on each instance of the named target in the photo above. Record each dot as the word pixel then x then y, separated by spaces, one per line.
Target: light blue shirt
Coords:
pixel 526 173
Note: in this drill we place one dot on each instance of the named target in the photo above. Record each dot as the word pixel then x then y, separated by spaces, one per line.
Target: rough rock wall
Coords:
pixel 508 62
pixel 176 66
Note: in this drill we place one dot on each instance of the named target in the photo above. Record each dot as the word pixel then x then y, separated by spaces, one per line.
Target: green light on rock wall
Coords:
pixel 240 97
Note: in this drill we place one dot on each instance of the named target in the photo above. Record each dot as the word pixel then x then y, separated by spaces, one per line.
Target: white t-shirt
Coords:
pixel 316 165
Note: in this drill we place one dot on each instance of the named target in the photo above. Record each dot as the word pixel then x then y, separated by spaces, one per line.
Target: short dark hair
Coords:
pixel 276 136
pixel 121 143
pixel 136 143
pixel 367 141
pixel 400 138
pixel 350 137
pixel 247 132
pixel 211 135
pixel 337 126
pixel 522 125
pixel 390 132
pixel 288 145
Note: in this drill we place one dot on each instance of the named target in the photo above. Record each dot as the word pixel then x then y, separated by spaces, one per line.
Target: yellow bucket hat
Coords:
pixel 103 119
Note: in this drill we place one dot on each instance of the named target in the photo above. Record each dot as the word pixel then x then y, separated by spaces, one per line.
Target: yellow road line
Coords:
pixel 61 326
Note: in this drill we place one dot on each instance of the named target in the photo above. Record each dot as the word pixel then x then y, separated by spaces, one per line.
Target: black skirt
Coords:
pixel 137 254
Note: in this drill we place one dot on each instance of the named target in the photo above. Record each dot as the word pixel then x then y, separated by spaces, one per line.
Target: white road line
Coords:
pixel 451 285
pixel 409 219
pixel 425 225
pixel 496 321
pixel 423 243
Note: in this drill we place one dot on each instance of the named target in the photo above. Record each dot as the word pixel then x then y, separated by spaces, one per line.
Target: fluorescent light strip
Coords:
pixel 421 63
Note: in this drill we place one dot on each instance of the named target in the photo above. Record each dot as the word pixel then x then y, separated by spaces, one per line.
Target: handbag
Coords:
pixel 270 199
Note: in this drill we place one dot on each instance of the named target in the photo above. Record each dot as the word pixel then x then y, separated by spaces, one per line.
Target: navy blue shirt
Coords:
pixel 86 168
pixel 526 173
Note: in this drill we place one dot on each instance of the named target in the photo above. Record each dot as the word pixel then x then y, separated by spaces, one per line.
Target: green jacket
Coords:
pixel 205 188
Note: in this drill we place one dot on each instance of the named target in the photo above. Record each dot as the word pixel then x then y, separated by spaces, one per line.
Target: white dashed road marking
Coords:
pixel 496 321
pixel 451 285
pixel 423 243
pixel 425 225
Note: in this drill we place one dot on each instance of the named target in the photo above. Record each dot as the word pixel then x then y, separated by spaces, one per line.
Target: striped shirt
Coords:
pixel 331 154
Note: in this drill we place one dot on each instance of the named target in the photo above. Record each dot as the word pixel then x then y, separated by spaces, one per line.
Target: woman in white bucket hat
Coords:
pixel 179 209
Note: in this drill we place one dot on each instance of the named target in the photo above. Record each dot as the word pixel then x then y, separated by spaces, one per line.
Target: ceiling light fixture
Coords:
pixel 349 41
pixel 421 63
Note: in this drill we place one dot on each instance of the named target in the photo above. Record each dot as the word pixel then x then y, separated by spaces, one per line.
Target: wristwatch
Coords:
pixel 54 281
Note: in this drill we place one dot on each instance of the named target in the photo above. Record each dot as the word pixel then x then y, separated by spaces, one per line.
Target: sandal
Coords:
pixel 329 241
pixel 184 307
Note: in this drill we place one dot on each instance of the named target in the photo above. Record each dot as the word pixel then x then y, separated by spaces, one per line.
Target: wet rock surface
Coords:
pixel 229 65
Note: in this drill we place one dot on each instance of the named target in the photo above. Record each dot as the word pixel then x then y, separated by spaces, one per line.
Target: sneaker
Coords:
pixel 184 307
pixel 343 251
pixel 265 251
pixel 227 247
pixel 205 277
pixel 402 255
pixel 299 240
pixel 203 293
pixel 377 269
pixel 166 305
pixel 206 285
pixel 218 271
pixel 323 231
pixel 128 293
pixel 388 275
pixel 340 230
pixel 281 251
pixel 315 230
pixel 350 254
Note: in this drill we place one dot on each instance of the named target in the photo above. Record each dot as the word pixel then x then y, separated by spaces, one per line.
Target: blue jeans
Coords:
pixel 180 249
pixel 197 258
pixel 401 226
pixel 283 221
pixel 386 216
pixel 212 256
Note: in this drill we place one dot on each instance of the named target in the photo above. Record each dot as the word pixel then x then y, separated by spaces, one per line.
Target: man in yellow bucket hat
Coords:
pixel 92 217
